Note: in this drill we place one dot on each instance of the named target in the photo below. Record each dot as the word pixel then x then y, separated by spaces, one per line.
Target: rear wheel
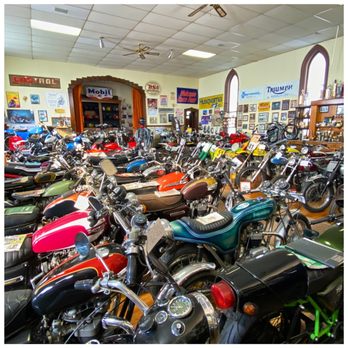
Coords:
pixel 318 196
pixel 247 174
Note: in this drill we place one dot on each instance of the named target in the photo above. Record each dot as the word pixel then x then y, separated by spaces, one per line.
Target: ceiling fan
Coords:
pixel 141 51
pixel 220 11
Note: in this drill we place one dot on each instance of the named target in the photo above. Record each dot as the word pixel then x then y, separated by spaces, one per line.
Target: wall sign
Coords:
pixel 99 92
pixel 34 81
pixel 251 94
pixel 186 95
pixel 216 101
pixel 281 90
pixel 264 106
pixel 153 88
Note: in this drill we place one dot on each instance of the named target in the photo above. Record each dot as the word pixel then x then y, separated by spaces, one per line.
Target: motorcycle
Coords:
pixel 320 190
pixel 293 294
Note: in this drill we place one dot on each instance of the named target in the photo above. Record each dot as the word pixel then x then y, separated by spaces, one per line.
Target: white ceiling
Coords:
pixel 247 34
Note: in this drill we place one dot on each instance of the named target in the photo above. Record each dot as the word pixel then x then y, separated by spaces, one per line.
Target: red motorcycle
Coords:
pixel 238 138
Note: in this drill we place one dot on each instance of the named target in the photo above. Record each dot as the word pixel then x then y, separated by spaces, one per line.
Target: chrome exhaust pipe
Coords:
pixel 14 280
pixel 112 321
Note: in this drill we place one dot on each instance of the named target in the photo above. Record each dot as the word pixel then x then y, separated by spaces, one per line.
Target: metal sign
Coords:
pixel 99 92
pixel 153 88
pixel 34 81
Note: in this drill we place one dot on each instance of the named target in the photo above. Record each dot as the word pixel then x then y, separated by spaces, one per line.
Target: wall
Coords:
pixel 68 72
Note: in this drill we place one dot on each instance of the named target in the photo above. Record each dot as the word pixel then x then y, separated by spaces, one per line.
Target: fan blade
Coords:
pixel 127 49
pixel 152 53
pixel 141 56
pixel 128 54
pixel 220 11
pixel 200 8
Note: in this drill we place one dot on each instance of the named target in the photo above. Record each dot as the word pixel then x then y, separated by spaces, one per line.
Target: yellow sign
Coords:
pixel 13 100
pixel 216 101
pixel 264 106
pixel 59 111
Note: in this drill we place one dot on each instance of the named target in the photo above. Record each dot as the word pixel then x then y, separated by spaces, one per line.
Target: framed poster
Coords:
pixel 245 117
pixel 20 116
pixel 34 98
pixel 163 100
pixel 275 116
pixel 42 115
pixel 245 107
pixel 152 104
pixel 245 126
pixel 57 121
pixel 170 117
pixel 252 126
pixel 163 118
pixel 283 116
pixel 276 105
pixel 261 127
pixel 263 117
pixel 153 120
pixel 252 107
pixel 264 106
pixel 252 117
pixel 286 104
pixel 293 104
pixel 240 108
pixel 13 100
pixel 291 114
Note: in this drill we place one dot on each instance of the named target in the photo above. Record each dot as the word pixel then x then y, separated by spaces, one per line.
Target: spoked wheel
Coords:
pixel 232 199
pixel 251 175
pixel 295 229
pixel 318 196
pixel 337 204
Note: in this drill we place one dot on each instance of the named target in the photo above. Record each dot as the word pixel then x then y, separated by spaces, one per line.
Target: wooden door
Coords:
pixel 191 118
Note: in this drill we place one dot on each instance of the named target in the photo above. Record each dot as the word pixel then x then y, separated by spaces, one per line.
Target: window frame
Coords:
pixel 228 81
pixel 306 64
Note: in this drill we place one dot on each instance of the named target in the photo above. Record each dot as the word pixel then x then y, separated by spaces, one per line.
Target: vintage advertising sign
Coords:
pixel 186 95
pixel 216 101
pixel 99 92
pixel 251 94
pixel 264 106
pixel 153 88
pixel 282 90
pixel 34 81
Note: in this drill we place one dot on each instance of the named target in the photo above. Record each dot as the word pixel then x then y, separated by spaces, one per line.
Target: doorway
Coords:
pixel 191 118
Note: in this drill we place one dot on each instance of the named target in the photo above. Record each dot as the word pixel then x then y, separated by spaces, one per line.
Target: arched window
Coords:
pixel 314 72
pixel 231 99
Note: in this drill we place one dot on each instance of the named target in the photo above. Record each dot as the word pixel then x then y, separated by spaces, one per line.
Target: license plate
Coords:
pixel 262 146
pixel 304 163
pixel 237 163
pixel 331 166
pixel 278 155
pixel 245 186
pixel 154 234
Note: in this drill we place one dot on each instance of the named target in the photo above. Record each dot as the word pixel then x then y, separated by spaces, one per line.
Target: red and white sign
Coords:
pixel 153 88
pixel 99 92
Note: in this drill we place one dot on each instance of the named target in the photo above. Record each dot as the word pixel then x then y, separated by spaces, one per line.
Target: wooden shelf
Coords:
pixel 335 101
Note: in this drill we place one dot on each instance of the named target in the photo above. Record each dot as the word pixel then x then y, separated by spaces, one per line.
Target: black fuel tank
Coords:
pixel 269 281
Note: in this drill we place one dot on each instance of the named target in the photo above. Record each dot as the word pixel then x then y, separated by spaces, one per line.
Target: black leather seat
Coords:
pixel 198 227
pixel 17 310
pixel 20 220
pixel 26 195
pixel 127 179
pixel 19 183
pixel 25 253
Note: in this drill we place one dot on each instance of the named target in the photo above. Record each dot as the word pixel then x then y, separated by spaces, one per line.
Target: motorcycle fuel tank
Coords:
pixel 60 234
pixel 58 188
pixel 171 181
pixel 135 165
pixel 56 290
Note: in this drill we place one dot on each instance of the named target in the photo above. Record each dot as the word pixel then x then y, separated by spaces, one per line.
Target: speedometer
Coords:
pixel 180 307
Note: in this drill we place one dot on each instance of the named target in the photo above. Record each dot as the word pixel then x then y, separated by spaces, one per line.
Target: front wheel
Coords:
pixel 232 199
pixel 296 227
pixel 318 196
pixel 252 175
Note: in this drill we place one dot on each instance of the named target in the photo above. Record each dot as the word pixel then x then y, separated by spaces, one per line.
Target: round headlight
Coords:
pixel 305 150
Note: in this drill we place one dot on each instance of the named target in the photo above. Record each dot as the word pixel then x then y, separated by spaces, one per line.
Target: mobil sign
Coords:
pixel 99 92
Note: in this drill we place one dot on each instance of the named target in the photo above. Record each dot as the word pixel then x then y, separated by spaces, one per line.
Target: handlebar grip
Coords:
pixel 131 274
pixel 85 285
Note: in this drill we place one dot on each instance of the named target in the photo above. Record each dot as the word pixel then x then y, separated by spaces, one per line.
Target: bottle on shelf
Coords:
pixel 301 98
pixel 334 89
pixel 328 92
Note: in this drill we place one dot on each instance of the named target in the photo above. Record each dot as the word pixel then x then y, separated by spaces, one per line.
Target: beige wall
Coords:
pixel 68 72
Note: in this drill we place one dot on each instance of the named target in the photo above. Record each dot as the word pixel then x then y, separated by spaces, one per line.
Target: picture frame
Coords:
pixel 262 127
pixel 245 117
pixel 252 107
pixel 20 116
pixel 252 117
pixel 43 117
pixel 340 110
pixel 12 99
pixel 163 118
pixel 245 107
pixel 293 103
pixel 276 105
pixel 275 116
pixel 170 117
pixel 153 120
pixel 283 116
pixel 252 126
pixel 324 108
pixel 291 115
pixel 57 121
pixel 245 126
pixel 34 99
pixel 263 117
pixel 285 104
pixel 240 108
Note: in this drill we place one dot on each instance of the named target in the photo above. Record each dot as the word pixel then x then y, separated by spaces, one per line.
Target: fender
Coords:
pixel 317 177
pixel 154 169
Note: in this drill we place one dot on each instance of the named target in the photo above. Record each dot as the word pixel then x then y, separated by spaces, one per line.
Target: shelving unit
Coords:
pixel 302 120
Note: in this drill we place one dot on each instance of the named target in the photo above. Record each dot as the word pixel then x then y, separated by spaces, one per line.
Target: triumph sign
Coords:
pixel 286 89
pixel 99 92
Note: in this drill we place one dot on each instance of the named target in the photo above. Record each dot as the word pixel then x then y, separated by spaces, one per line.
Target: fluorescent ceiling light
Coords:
pixel 56 28
pixel 199 54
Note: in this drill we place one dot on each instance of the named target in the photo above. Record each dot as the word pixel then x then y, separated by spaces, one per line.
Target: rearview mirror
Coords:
pixel 95 204
pixel 108 167
pixel 82 244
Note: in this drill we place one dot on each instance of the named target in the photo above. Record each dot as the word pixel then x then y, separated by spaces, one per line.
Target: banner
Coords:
pixel 213 101
pixel 282 90
pixel 251 94
pixel 186 95
pixel 99 92
pixel 34 81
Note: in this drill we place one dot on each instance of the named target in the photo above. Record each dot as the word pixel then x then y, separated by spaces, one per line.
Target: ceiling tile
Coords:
pixel 165 21
pixel 176 11
pixel 279 48
pixel 295 43
pixel 104 29
pixel 87 7
pixel 48 36
pixel 258 8
pixel 82 59
pixel 121 11
pixel 18 53
pixel 238 14
pixel 195 39
pixel 274 38
pixel 178 43
pixel 144 37
pixel 313 9
pixel 260 44
pixel 15 36
pixel 198 29
pixel 92 54
pixel 18 30
pixel 214 22
pixel 143 7
pixel 267 23
pixel 119 22
pixel 74 12
pixel 313 23
pixel 50 48
pixel 153 29
pixel 56 18
pixel 17 21
pixel 334 15
pixel 293 14
pixel 220 44
pixel 293 31
pixel 248 30
pixel 17 11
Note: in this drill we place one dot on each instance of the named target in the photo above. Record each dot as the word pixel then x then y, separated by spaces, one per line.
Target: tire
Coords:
pixel 317 199
pixel 277 179
pixel 301 223
pixel 245 175
pixel 337 209
pixel 291 135
pixel 201 282
pixel 232 199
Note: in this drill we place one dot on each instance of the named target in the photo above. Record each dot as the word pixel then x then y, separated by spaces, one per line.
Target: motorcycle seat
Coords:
pixel 154 203
pixel 319 279
pixel 195 226
pixel 24 195
pixel 18 183
pixel 17 310
pixel 127 179
pixel 20 217
pixel 22 170
pixel 25 253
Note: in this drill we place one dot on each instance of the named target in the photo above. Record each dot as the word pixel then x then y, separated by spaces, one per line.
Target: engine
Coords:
pixel 251 236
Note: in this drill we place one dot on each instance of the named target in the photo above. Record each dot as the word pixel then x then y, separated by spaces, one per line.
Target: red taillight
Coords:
pixel 223 295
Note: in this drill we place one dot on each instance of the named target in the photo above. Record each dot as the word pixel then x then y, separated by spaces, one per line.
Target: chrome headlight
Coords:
pixel 305 150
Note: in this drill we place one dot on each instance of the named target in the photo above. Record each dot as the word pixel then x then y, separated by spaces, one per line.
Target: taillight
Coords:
pixel 223 295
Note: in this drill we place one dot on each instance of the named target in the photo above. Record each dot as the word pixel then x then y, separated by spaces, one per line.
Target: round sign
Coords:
pixel 153 88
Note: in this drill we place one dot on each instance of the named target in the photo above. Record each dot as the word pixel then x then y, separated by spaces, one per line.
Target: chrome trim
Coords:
pixel 174 332
pixel 14 280
pixel 186 311
pixel 210 314
pixel 116 284
pixel 163 320
pixel 112 321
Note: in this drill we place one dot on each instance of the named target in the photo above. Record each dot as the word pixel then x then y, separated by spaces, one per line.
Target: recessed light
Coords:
pixel 199 54
pixel 56 28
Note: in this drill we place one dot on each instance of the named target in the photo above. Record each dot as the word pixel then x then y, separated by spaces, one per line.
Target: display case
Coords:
pixel 302 120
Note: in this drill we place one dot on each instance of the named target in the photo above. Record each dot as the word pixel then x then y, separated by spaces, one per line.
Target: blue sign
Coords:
pixel 281 90
pixel 186 95
pixel 251 94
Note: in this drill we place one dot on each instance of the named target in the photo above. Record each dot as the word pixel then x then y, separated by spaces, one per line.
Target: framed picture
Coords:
pixel 291 115
pixel 239 116
pixel 252 126
pixel 239 123
pixel 276 105
pixel 252 117
pixel 263 117
pixel 340 110
pixel 245 107
pixel 252 107
pixel 67 121
pixel 163 100
pixel 205 112
pixel 262 127
pixel 34 98
pixel 57 121
pixel 283 116
pixel 240 108
pixel 42 115
pixel 153 120
pixel 245 117
pixel 324 108
pixel 285 104
pixel 13 100
pixel 245 126
pixel 170 117
pixel 275 116
pixel 163 118
pixel 20 116
pixel 293 104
